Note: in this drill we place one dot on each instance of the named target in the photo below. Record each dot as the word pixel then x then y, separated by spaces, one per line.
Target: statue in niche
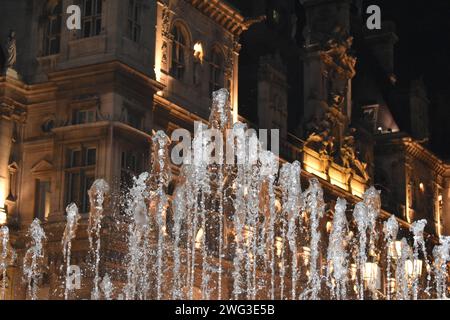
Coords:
pixel 11 49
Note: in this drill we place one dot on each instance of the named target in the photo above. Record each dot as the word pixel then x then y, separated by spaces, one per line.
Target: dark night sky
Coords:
pixel 423 50
pixel 423 28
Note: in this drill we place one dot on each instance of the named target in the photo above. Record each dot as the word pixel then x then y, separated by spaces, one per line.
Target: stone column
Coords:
pixel 6 130
pixel 446 206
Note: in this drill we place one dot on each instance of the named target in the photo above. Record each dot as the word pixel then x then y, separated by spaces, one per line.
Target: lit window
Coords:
pixel 134 20
pixel 42 199
pixel 92 18
pixel 52 36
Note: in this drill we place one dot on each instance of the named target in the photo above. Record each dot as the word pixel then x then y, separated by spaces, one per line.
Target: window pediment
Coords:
pixel 42 166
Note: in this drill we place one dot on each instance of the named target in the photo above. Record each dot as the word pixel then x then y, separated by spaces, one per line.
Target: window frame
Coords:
pixel 38 198
pixel 134 23
pixel 88 111
pixel 179 52
pixel 94 18
pixel 85 171
pixel 54 16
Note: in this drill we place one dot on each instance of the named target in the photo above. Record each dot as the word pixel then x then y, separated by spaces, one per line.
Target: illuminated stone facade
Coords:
pixel 84 103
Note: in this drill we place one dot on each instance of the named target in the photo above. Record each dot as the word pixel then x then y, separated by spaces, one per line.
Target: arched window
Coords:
pixel 52 34
pixel 216 70
pixel 179 52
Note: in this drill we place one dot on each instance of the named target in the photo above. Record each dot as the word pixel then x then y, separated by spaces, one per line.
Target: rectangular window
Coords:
pixel 91 18
pixel 131 166
pixel 42 199
pixel 134 20
pixel 80 175
pixel 84 116
pixel 52 34
pixel 134 119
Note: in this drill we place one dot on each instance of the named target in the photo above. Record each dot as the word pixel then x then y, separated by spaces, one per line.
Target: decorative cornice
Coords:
pixel 222 13
pixel 12 110
pixel 414 150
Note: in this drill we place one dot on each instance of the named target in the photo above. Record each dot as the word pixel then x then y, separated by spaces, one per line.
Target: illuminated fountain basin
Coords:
pixel 245 230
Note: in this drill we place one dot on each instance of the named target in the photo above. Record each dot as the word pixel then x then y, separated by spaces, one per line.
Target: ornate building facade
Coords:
pixel 80 105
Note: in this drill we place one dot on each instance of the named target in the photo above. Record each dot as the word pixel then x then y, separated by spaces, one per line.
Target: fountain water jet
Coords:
pixel 7 257
pixel 390 234
pixel 97 193
pixel 337 256
pixel 68 236
pixel 417 228
pixel 33 261
pixel 441 255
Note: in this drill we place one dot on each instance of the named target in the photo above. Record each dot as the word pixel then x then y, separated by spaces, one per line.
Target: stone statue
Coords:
pixel 320 134
pixel 11 50
pixel 339 63
pixel 349 158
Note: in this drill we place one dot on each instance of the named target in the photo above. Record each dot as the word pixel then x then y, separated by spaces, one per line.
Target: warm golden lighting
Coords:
pixel 199 239
pixel 306 254
pixel 329 226
pixel 338 178
pixel 372 275
pixel 3 217
pixel 422 187
pixel 414 269
pixel 278 246
pixel 358 188
pixel 353 271
pixel 158 65
pixel 198 52
pixel 398 249
pixel 3 192
pixel 313 164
